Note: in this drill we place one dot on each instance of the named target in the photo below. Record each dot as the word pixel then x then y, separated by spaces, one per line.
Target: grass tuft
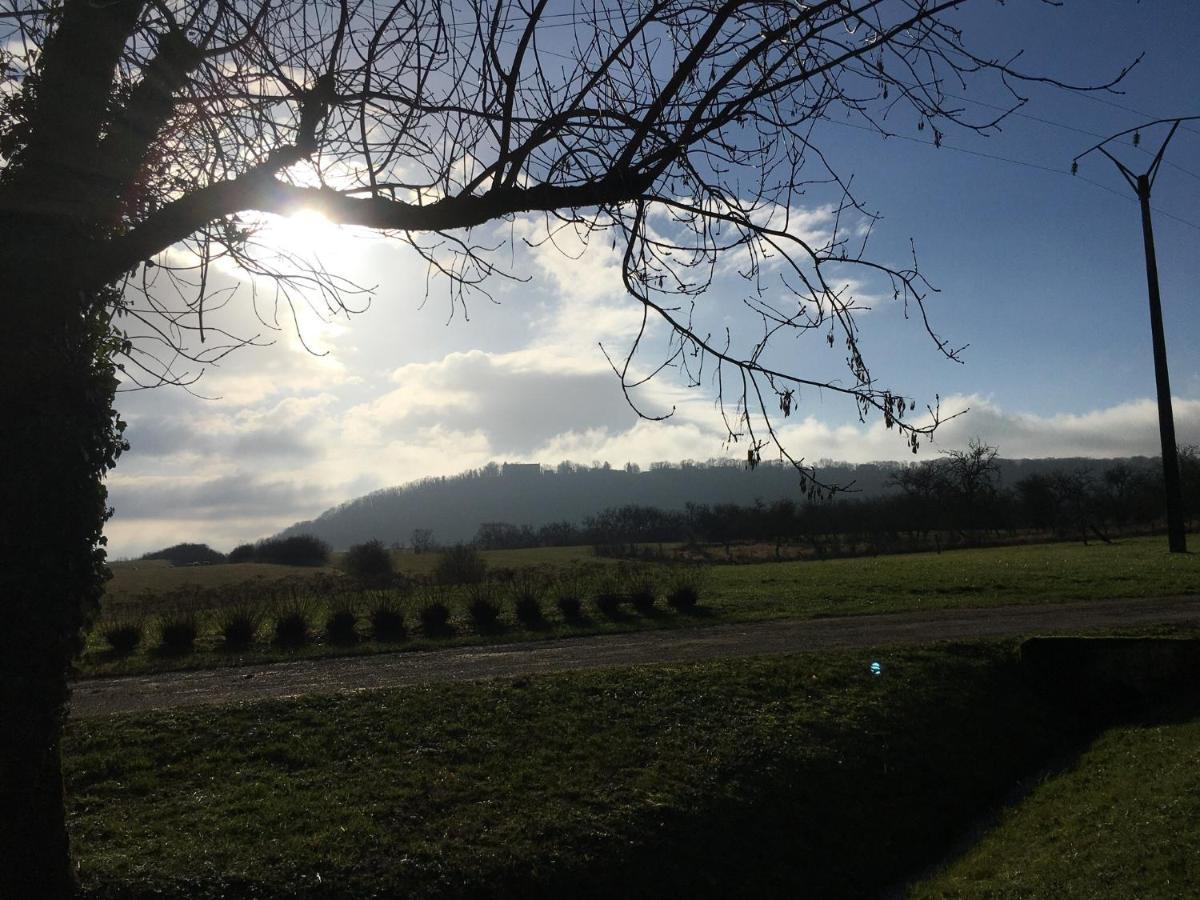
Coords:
pixel 239 625
pixel 642 590
pixel 568 591
pixel 293 623
pixel 434 617
pixel 683 594
pixel 387 617
pixel 433 613
pixel 342 622
pixel 483 610
pixel 527 589
pixel 177 633
pixel 608 596
pixel 123 637
pixel 570 606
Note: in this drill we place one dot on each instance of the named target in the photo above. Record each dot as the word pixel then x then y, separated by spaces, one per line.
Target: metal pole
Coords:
pixel 1176 538
pixel 1141 185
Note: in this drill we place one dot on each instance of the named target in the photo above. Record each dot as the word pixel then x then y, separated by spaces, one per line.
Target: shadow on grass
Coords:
pixel 109 655
pixel 237 647
pixel 390 636
pixel 817 821
pixel 845 807
pixel 487 627
pixel 534 623
pixel 171 651
pixel 613 612
pixel 697 612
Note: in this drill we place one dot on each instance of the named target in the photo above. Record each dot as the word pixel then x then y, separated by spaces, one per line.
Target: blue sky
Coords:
pixel 1041 274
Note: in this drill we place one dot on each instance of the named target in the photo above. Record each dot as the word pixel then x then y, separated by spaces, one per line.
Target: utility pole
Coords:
pixel 1142 185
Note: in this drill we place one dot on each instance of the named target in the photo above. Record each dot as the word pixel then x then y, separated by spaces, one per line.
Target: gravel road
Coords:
pixel 103 696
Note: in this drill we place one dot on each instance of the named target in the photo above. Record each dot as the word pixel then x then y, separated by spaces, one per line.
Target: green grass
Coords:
pixel 755 777
pixel 1124 821
pixel 1039 573
pixel 1045 573
pixel 133 579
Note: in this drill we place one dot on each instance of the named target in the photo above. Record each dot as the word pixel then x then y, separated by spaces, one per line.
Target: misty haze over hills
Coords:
pixel 528 494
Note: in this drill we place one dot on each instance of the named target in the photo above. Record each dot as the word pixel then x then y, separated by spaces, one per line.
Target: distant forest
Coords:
pixel 959 497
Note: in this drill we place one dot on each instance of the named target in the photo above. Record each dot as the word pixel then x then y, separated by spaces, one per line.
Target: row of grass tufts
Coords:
pixel 296 619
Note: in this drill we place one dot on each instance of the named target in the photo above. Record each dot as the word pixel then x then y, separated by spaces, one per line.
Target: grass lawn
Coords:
pixel 1123 822
pixel 1038 573
pixel 796 776
pixel 1043 573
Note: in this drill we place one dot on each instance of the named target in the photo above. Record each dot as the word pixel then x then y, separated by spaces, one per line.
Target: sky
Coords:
pixel 1040 274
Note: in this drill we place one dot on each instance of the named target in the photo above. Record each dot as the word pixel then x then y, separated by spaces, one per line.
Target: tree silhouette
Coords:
pixel 142 141
pixel 971 475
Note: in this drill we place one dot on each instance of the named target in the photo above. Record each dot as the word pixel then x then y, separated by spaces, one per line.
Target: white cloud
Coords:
pixel 245 473
pixel 512 399
pixel 1127 429
pixel 583 267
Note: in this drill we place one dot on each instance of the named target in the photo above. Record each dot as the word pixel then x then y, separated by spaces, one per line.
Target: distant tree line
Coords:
pixel 447 510
pixel 954 500
pixel 521 506
pixel 961 498
pixel 187 555
pixel 296 550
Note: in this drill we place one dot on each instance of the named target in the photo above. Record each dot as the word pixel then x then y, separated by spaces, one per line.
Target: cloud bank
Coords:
pixel 232 475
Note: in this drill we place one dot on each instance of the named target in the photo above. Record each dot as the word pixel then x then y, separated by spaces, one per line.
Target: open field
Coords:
pixel 1122 821
pixel 135 578
pixel 754 776
pixel 1046 573
pixel 1040 573
pixel 1060 571
pixel 135 585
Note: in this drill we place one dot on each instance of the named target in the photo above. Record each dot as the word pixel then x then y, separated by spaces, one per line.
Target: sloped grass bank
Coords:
pixel 804 775
pixel 1122 821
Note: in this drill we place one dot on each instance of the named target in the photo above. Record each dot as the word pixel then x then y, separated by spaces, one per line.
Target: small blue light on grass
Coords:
pixel 876 669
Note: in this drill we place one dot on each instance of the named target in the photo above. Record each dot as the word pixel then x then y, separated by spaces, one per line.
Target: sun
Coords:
pixel 307 233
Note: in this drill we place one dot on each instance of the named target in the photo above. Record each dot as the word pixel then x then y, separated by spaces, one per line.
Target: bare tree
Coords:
pixel 971 475
pixel 926 485
pixel 422 540
pixel 142 141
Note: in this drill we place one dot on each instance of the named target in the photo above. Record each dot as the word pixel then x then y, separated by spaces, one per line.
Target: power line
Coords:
pixel 611 16
pixel 1016 113
pixel 1016 162
pixel 1090 95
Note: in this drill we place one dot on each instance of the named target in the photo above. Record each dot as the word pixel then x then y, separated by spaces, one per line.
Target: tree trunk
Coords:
pixel 36 857
pixel 59 436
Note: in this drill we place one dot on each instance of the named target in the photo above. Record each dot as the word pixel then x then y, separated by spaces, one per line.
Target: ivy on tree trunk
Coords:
pixel 60 435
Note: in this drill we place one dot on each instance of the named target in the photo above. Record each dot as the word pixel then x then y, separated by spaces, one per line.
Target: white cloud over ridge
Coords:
pixel 243 493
